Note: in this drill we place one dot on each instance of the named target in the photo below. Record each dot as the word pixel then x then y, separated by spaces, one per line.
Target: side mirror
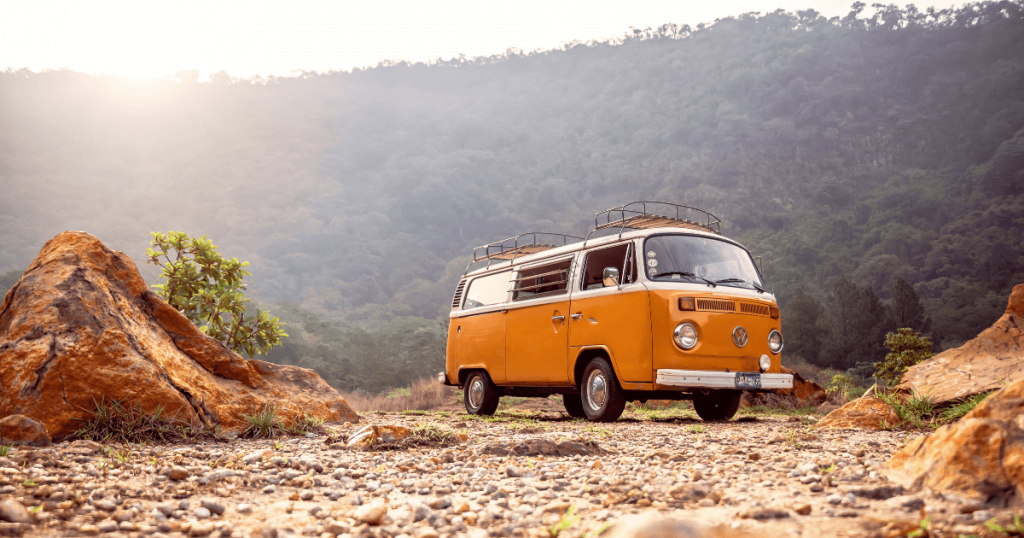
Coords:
pixel 611 277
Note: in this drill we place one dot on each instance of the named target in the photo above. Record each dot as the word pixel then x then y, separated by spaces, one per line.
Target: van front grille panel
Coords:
pixel 755 309
pixel 716 305
pixel 457 300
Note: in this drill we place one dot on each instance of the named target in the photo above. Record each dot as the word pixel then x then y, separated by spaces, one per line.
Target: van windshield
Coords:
pixel 691 258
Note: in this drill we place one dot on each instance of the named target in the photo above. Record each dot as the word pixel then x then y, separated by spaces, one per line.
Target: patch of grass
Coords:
pixel 424 394
pixel 5 450
pixel 604 432
pixel 568 520
pixel 308 424
pixel 697 428
pixel 1017 528
pixel 117 422
pixel 961 407
pixel 414 412
pixel 917 411
pixel 266 423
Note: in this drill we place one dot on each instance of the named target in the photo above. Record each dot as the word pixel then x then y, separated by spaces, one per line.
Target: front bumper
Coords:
pixel 718 380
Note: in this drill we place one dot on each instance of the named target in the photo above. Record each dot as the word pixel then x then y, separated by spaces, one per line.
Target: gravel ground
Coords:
pixel 760 474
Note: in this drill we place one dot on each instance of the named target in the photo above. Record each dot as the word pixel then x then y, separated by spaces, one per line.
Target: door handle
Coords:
pixel 576 317
pixel 558 318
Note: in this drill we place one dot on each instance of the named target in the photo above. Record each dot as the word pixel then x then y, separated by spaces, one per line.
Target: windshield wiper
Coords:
pixel 739 281
pixel 685 273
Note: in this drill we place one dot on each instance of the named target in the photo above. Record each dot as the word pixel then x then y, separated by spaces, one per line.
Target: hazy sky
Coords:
pixel 142 38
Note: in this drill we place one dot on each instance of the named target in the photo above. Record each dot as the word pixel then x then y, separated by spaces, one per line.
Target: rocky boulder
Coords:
pixel 866 412
pixel 21 430
pixel 804 393
pixel 988 362
pixel 81 326
pixel 979 458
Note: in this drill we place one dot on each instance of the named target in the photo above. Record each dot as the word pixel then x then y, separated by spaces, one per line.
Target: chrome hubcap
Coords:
pixel 597 390
pixel 476 393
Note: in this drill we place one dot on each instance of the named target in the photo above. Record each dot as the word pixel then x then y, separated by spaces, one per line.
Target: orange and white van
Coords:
pixel 650 305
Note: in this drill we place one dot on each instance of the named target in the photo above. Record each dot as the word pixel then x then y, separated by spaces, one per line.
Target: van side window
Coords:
pixel 550 279
pixel 488 290
pixel 597 260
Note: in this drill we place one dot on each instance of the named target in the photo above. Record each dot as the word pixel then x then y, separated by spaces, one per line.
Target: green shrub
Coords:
pixel 266 423
pixel 117 422
pixel 907 348
pixel 962 406
pixel 841 384
pixel 208 290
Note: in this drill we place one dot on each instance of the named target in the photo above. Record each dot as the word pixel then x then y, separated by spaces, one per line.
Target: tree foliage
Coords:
pixel 871 146
pixel 906 348
pixel 208 290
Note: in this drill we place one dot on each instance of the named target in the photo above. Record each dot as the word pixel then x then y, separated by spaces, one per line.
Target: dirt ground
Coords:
pixel 527 471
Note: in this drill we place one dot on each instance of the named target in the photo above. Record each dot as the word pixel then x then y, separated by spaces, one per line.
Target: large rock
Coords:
pixel 866 412
pixel 979 458
pixel 993 359
pixel 21 430
pixel 804 393
pixel 81 325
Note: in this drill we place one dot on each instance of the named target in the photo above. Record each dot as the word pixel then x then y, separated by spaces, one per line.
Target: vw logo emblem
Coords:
pixel 739 336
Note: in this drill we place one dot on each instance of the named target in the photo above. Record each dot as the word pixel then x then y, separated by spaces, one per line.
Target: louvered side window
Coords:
pixel 457 300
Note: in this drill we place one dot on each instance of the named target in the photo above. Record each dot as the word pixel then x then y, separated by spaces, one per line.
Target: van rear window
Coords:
pixel 543 280
pixel 488 290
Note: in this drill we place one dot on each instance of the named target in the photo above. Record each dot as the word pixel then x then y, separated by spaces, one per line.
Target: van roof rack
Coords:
pixel 652 214
pixel 520 245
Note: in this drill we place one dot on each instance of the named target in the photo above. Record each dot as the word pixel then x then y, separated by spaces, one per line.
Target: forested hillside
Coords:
pixel 863 148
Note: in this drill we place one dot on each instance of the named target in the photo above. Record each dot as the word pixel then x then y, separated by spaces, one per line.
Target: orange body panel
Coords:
pixel 620 322
pixel 715 349
pixel 537 352
pixel 481 344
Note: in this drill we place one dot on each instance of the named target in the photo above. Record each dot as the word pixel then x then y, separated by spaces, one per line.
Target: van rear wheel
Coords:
pixel 480 394
pixel 603 399
pixel 574 405
pixel 717 405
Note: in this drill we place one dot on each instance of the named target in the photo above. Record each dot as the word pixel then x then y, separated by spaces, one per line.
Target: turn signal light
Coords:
pixel 774 312
pixel 688 303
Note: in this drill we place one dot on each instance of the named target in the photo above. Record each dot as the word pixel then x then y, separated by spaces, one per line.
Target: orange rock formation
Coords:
pixel 979 458
pixel 988 362
pixel 81 324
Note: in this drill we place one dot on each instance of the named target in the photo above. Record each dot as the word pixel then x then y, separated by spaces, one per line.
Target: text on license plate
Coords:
pixel 748 381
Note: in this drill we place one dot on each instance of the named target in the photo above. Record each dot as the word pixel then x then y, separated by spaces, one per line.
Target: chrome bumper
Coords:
pixel 719 380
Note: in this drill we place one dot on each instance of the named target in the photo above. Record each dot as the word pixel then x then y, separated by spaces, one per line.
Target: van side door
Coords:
pixel 613 316
pixel 480 326
pixel 538 330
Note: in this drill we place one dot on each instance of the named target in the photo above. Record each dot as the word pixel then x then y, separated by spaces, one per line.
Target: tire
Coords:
pixel 480 394
pixel 602 397
pixel 718 405
pixel 574 405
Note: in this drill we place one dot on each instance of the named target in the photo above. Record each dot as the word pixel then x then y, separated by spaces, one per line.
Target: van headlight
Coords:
pixel 775 341
pixel 685 336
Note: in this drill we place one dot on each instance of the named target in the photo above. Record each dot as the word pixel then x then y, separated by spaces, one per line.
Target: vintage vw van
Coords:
pixel 652 304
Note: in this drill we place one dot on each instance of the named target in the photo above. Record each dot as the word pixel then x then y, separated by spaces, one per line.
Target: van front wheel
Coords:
pixel 480 394
pixel 603 400
pixel 719 405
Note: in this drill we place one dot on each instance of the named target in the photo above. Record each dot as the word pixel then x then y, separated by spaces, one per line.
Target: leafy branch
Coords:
pixel 207 288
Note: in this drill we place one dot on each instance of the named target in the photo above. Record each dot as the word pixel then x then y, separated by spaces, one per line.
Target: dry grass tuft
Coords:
pixel 423 395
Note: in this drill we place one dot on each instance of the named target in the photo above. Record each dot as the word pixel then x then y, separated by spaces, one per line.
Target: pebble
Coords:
pixel 178 473
pixel 13 511
pixel 201 513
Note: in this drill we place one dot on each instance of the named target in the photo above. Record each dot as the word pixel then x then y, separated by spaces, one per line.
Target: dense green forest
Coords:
pixel 849 152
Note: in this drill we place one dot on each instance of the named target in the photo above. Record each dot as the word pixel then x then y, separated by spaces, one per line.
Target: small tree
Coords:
pixel 208 290
pixel 907 348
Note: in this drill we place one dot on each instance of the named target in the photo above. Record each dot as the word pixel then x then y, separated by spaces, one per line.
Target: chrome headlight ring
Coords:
pixel 685 336
pixel 775 342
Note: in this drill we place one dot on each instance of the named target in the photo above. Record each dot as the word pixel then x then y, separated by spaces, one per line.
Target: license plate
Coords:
pixel 748 381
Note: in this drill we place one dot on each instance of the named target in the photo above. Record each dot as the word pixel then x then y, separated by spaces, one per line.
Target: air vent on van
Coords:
pixel 717 305
pixel 457 300
pixel 755 309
